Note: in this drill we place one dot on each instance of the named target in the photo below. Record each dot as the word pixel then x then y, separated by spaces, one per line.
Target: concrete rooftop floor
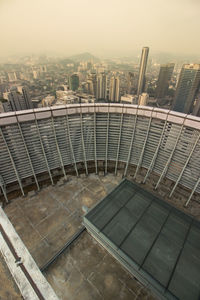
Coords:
pixel 47 220
pixel 8 289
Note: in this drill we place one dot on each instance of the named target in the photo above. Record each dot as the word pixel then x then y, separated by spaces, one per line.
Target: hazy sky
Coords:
pixel 102 27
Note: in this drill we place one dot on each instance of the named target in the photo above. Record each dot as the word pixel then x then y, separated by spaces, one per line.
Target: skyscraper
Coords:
pixel 187 88
pixel 27 99
pixel 101 86
pixel 114 89
pixel 92 84
pixel 130 82
pixel 164 78
pixel 17 101
pixel 143 65
pixel 74 82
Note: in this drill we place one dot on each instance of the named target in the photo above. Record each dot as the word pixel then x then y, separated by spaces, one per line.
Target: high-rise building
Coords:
pixel 196 110
pixel 143 65
pixel 12 76
pixel 6 106
pixel 17 101
pixel 92 84
pixel 130 82
pixel 101 86
pixel 43 68
pixel 164 78
pixel 27 99
pixel 35 74
pixel 187 88
pixel 114 89
pixel 74 82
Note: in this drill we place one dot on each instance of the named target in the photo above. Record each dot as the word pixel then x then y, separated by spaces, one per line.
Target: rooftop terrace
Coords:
pixel 47 220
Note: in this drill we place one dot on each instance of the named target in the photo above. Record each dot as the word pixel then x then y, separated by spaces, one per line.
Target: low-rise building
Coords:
pixel 143 99
pixel 48 101
pixel 127 99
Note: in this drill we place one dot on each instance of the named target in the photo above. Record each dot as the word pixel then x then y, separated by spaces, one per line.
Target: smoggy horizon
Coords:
pixel 103 28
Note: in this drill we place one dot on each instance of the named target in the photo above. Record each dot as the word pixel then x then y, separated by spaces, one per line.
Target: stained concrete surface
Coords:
pixel 46 221
pixel 8 287
pixel 87 271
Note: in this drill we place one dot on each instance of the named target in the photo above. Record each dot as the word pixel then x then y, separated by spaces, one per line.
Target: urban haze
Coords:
pixel 104 28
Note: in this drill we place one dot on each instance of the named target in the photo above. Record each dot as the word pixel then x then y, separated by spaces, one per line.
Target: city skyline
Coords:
pixel 104 29
pixel 86 79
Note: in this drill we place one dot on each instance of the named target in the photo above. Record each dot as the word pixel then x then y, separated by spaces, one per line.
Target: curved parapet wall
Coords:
pixel 36 141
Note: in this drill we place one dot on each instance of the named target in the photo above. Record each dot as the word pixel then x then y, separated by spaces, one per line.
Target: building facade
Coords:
pixel 143 99
pixel 18 101
pixel 164 78
pixel 187 88
pixel 74 82
pixel 114 95
pixel 101 86
pixel 92 84
pixel 27 98
pixel 142 70
pixel 130 82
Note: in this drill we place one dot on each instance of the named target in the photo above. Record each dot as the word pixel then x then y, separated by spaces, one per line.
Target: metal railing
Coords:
pixel 41 140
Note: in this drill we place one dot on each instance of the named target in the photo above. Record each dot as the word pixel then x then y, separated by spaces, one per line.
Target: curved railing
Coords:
pixel 41 140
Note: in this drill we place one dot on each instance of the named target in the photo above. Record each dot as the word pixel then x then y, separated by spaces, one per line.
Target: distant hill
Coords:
pixel 86 56
pixel 66 61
